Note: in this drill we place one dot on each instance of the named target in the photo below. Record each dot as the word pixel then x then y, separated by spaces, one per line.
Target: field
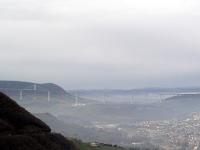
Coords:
pixel 88 146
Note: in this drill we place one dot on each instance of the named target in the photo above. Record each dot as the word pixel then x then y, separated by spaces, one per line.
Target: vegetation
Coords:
pixel 99 146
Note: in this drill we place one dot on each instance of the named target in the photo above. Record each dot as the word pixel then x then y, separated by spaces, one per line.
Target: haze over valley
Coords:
pixel 101 74
pixel 137 117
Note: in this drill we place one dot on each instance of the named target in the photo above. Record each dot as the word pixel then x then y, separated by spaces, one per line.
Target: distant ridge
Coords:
pixel 185 98
pixel 31 90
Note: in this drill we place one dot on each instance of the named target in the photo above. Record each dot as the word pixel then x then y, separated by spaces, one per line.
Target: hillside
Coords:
pixel 185 98
pixel 20 130
pixel 27 93
pixel 73 130
pixel 22 91
pixel 97 146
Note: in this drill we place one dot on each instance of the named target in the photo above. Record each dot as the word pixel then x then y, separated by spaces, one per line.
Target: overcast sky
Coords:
pixel 101 43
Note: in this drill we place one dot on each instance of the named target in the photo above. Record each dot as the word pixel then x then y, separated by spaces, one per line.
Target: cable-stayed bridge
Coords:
pixel 29 93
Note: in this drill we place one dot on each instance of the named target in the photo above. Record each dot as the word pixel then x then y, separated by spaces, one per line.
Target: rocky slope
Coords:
pixel 20 130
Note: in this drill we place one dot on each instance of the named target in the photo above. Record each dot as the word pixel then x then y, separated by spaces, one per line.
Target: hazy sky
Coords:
pixel 101 43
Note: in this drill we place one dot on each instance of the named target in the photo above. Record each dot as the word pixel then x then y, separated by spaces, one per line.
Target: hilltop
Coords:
pixel 31 91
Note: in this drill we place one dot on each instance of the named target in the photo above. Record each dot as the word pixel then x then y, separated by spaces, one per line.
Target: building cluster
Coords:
pixel 168 134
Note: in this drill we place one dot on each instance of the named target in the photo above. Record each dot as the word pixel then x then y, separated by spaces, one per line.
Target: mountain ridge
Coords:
pixel 30 90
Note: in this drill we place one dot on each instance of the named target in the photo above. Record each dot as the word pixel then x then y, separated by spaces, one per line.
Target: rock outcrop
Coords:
pixel 20 130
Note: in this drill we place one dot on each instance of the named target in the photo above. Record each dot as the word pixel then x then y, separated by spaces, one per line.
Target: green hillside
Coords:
pixel 101 146
pixel 88 146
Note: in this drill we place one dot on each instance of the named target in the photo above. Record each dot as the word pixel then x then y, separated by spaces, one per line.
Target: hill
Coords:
pixel 185 98
pixel 97 146
pixel 86 134
pixel 23 91
pixel 20 130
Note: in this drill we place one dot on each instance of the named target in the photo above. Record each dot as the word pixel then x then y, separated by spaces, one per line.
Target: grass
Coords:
pixel 87 146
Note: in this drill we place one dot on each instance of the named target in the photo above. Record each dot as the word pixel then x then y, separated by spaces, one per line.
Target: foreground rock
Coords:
pixel 20 130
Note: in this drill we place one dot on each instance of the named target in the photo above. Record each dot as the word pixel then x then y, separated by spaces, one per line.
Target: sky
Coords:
pixel 97 44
